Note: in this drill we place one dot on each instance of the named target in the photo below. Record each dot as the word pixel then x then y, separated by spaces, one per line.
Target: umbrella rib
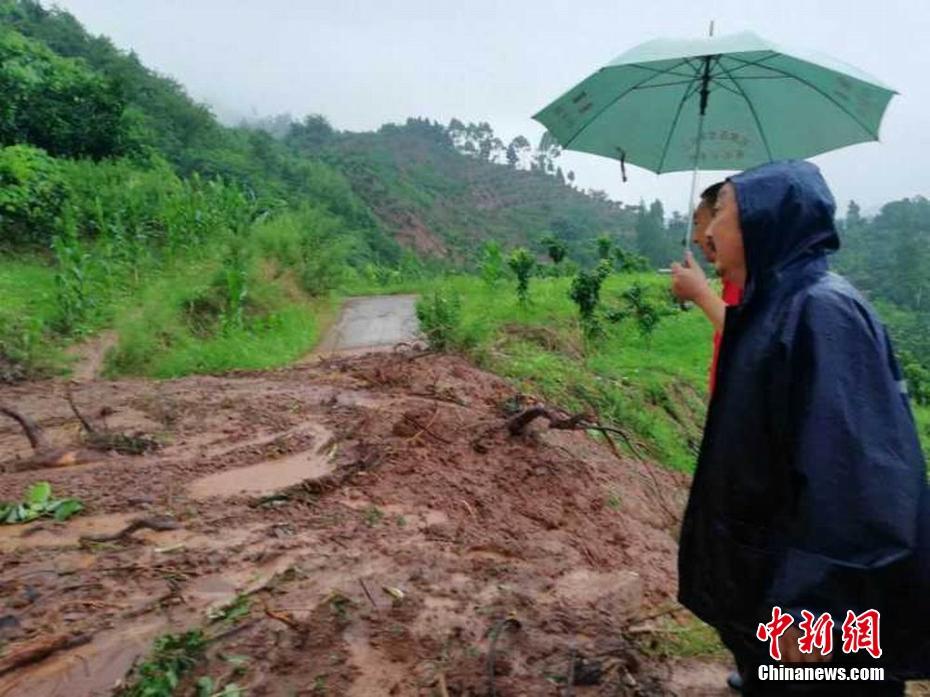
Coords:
pixel 752 110
pixel 659 72
pixel 814 87
pixel 614 101
pixel 689 81
pixel 690 92
pixel 750 64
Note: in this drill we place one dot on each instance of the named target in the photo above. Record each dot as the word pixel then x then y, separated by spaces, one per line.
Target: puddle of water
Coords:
pixel 265 477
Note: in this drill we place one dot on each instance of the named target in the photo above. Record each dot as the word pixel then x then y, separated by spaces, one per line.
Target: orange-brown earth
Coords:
pixel 306 493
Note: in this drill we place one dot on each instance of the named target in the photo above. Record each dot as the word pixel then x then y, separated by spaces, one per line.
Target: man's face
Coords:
pixel 725 238
pixel 702 218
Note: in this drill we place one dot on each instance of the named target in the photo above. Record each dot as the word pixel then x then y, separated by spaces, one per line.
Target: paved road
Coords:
pixel 373 322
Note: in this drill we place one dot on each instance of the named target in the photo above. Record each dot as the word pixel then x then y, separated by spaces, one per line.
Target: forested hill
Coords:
pixel 436 190
pixel 442 190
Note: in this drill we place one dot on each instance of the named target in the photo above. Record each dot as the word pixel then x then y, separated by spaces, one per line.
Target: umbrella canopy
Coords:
pixel 728 102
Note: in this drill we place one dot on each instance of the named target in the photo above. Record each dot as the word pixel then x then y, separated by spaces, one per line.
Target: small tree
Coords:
pixel 604 247
pixel 522 264
pixel 585 292
pixel 644 311
pixel 492 263
pixel 440 317
pixel 555 248
pixel 630 262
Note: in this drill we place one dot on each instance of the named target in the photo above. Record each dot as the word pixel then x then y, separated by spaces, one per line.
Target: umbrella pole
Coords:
pixel 694 175
pixel 705 94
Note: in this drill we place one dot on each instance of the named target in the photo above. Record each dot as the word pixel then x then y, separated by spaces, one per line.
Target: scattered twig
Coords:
pixel 368 593
pixel 233 630
pixel 282 617
pixel 424 429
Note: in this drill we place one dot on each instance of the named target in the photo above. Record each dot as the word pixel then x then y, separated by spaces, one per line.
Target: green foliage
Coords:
pixel 605 246
pixel 653 240
pixel 72 279
pixel 440 316
pixel 33 193
pixel 645 311
pixel 555 248
pixel 603 269
pixel 312 244
pixel 38 503
pixel 173 656
pixel 918 379
pixel 57 103
pixel 27 286
pixel 629 262
pixel 232 612
pixel 585 292
pixel 206 687
pixel 685 638
pixel 522 263
pixel 491 266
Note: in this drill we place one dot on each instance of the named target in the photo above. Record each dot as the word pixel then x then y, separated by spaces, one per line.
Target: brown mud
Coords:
pixel 382 531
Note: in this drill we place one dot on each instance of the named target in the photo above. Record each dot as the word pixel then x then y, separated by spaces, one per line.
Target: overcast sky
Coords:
pixel 362 63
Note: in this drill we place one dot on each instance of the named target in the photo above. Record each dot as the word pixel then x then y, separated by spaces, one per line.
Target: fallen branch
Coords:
pixel 158 524
pixel 33 431
pixel 517 424
pixel 40 650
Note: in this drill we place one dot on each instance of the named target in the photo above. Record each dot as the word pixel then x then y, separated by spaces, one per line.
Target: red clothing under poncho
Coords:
pixel 732 295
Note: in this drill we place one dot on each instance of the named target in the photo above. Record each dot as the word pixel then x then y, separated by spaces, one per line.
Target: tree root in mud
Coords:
pixel 561 420
pixel 96 442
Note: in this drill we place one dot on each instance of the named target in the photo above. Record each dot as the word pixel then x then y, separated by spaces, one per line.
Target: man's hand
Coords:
pixel 689 281
pixel 791 652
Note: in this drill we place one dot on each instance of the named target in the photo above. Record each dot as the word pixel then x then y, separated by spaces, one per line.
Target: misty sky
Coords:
pixel 364 63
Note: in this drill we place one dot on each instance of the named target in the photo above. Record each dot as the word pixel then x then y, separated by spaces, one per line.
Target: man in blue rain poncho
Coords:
pixel 810 490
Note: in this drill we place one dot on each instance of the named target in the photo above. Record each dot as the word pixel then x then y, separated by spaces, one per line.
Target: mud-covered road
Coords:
pixel 371 323
pixel 360 526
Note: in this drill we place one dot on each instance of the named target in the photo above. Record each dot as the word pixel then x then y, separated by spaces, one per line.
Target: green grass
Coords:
pixel 686 638
pixel 654 389
pixel 157 339
pixel 27 310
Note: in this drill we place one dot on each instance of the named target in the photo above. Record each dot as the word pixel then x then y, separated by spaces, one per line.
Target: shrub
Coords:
pixel 440 316
pixel 32 195
pixel 522 264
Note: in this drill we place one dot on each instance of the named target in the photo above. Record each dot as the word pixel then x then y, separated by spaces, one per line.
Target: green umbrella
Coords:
pixel 724 103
